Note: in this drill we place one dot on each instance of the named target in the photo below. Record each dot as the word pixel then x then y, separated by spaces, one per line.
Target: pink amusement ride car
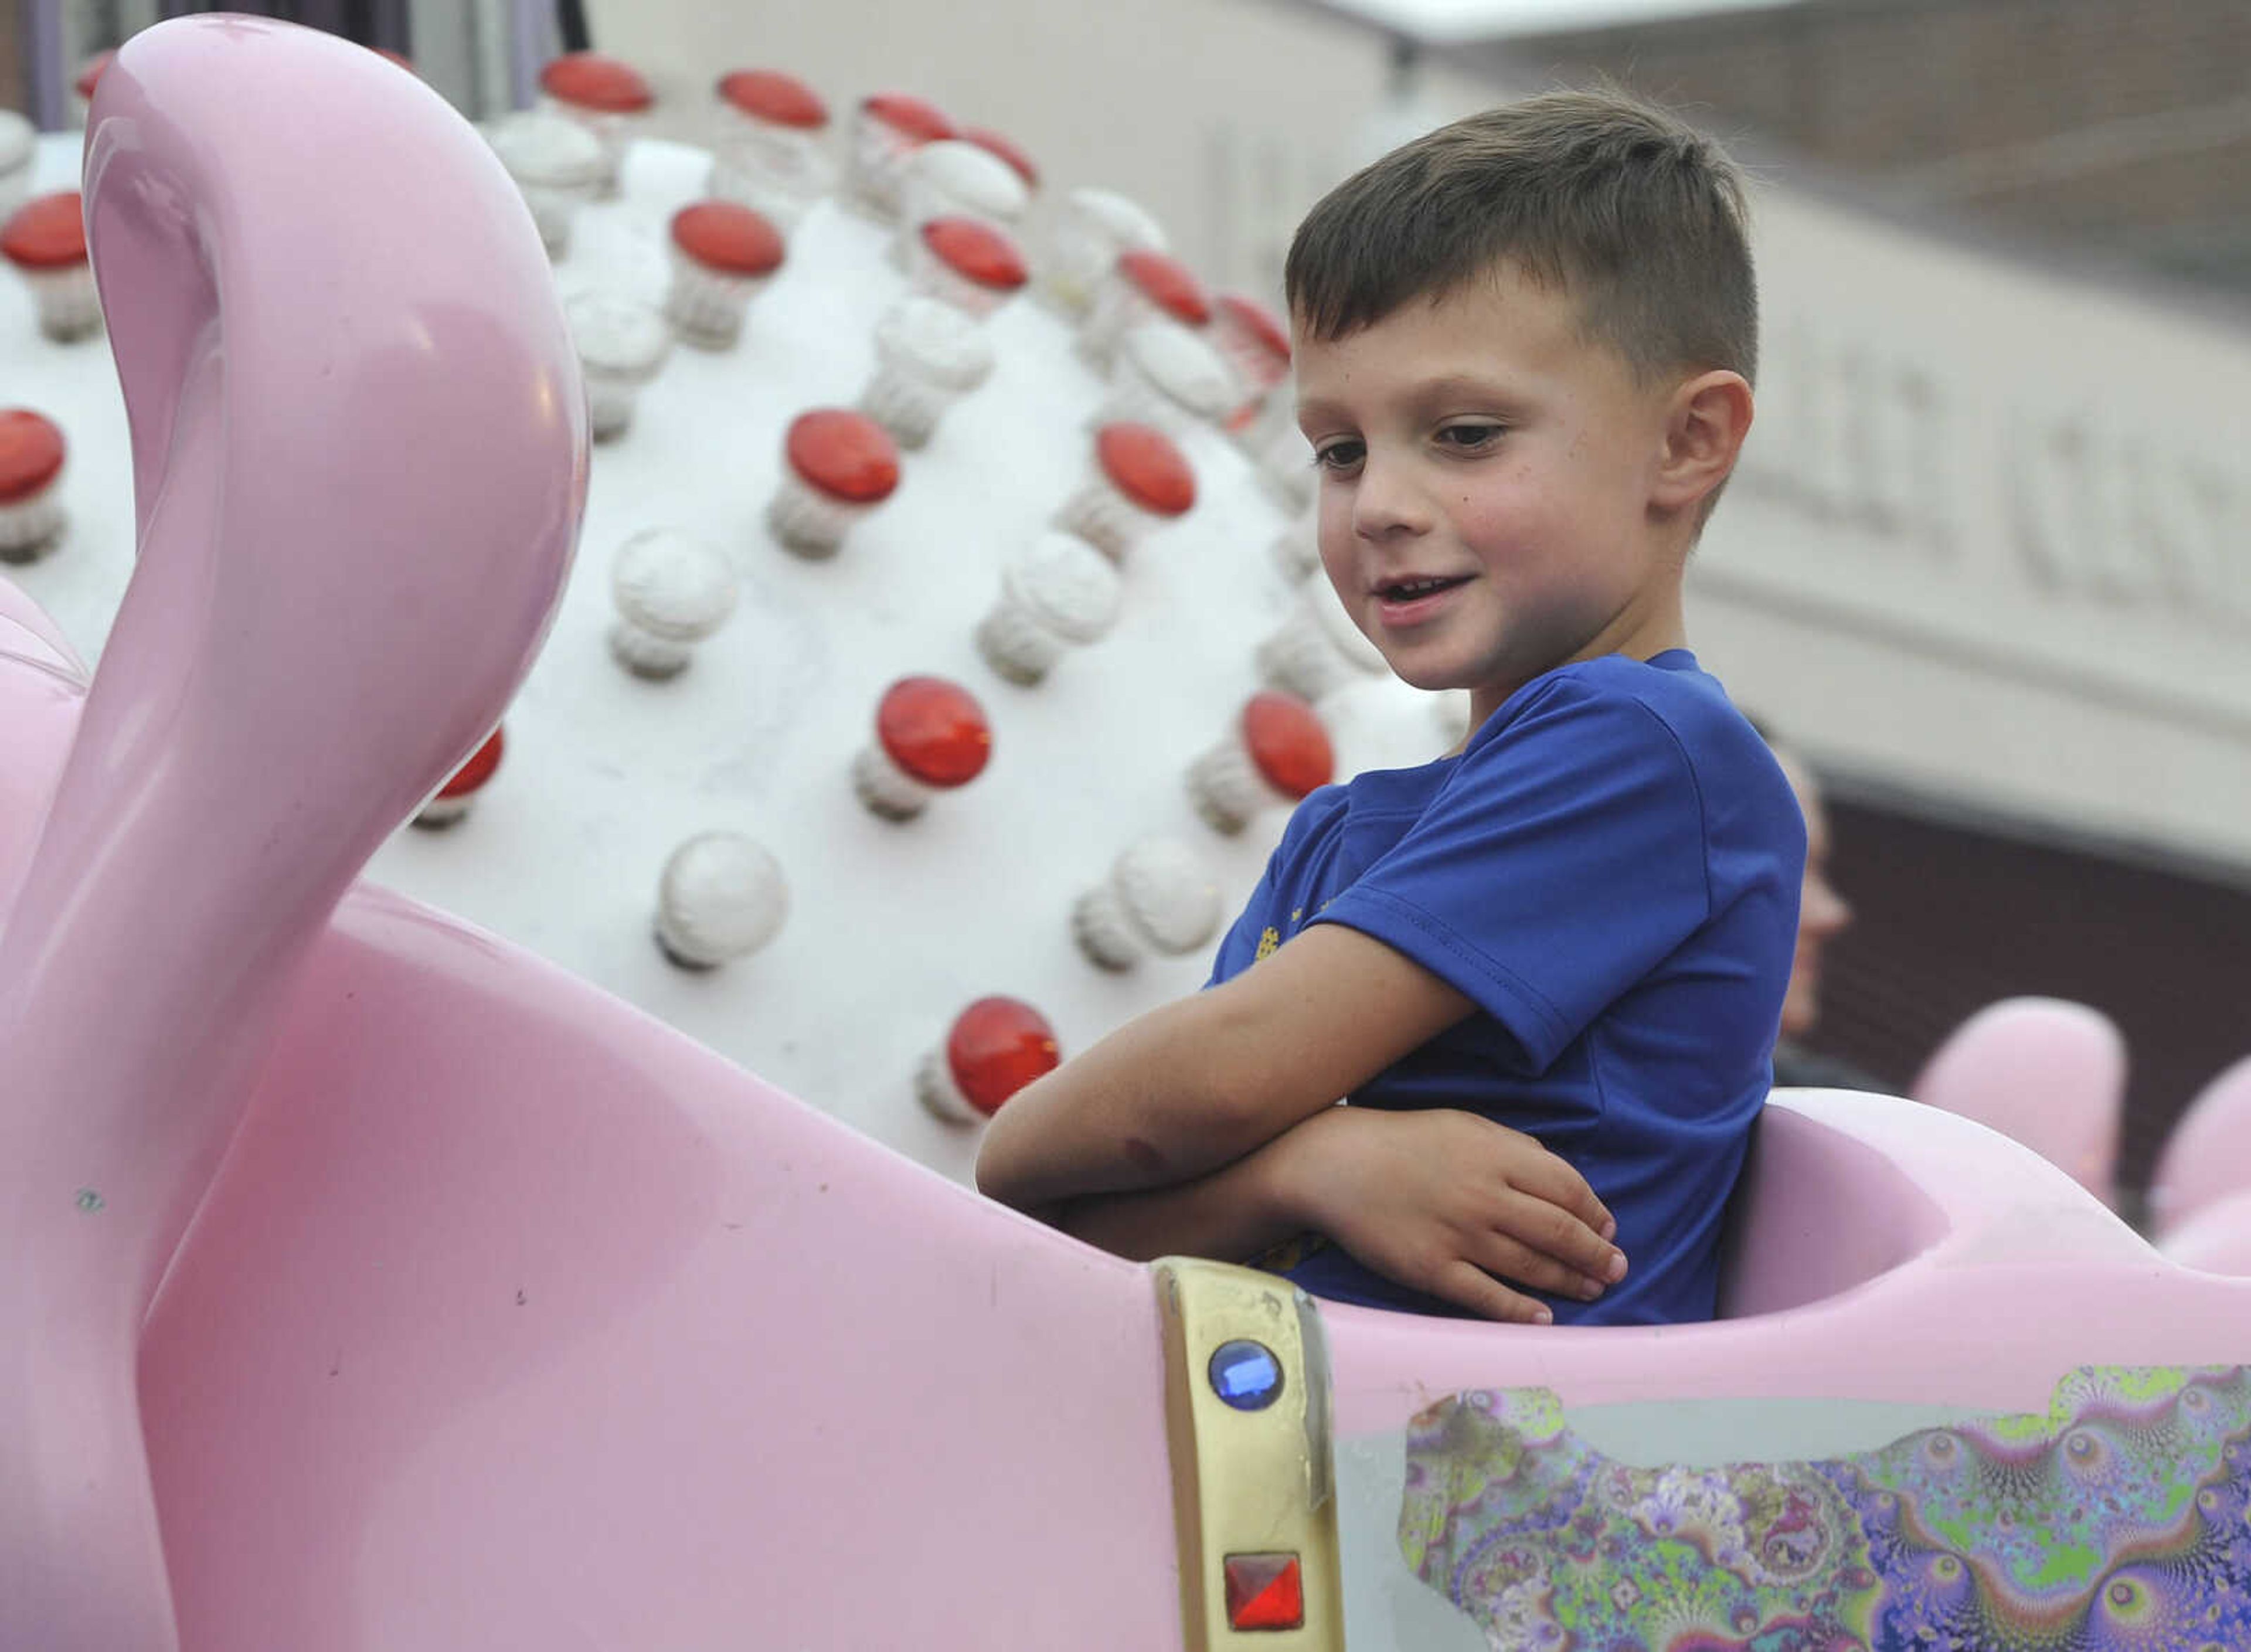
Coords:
pixel 369 1285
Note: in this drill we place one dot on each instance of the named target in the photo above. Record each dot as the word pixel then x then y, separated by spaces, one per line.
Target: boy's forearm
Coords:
pixel 1201 1081
pixel 1148 1107
pixel 1230 1215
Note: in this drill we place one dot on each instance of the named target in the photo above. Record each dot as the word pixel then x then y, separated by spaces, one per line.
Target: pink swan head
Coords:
pixel 359 450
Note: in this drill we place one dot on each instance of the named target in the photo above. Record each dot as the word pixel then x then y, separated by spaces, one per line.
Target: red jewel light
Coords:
pixel 934 729
pixel 592 81
pixel 1148 467
pixel 993 143
pixel 1258 323
pixel 910 117
pixel 1264 1591
pixel 1168 284
pixel 30 453
pixel 999 1045
pixel 89 75
pixel 768 94
pixel 727 236
pixel 475 772
pixel 46 233
pixel 1287 742
pixel 845 453
pixel 977 251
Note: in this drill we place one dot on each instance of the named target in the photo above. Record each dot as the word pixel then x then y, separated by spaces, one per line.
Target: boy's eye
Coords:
pixel 1337 456
pixel 1472 438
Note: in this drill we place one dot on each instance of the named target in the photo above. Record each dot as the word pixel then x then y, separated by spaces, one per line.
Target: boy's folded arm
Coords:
pixel 1446 1203
pixel 1234 1213
pixel 1198 1083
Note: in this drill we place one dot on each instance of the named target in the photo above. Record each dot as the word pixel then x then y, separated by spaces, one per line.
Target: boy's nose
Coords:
pixel 1387 500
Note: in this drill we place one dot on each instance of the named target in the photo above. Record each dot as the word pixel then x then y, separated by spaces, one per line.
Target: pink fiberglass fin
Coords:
pixel 2045 1071
pixel 359 459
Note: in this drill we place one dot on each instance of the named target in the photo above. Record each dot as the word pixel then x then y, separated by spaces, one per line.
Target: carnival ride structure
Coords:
pixel 2045 1071
pixel 376 1284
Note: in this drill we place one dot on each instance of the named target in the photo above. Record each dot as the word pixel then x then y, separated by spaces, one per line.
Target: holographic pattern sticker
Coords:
pixel 2116 1521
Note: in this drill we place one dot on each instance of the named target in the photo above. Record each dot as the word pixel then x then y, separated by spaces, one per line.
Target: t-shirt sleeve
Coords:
pixel 1561 862
pixel 1238 947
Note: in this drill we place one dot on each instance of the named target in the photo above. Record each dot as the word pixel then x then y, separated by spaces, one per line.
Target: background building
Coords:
pixel 2119 131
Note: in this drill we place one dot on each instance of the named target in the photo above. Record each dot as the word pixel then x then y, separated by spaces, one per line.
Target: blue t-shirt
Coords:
pixel 1610 870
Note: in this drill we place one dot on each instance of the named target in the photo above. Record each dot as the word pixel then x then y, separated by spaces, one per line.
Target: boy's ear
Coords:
pixel 1706 422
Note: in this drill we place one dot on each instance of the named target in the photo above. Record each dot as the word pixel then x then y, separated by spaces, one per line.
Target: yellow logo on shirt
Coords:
pixel 1268 939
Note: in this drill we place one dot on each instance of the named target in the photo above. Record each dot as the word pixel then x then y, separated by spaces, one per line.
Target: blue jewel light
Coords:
pixel 1245 1374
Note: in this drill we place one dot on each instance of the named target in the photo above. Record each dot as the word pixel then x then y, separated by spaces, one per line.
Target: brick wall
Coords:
pixel 1953 914
pixel 2128 126
pixel 15 82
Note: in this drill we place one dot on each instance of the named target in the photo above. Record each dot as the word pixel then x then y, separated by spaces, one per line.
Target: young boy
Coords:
pixel 1523 352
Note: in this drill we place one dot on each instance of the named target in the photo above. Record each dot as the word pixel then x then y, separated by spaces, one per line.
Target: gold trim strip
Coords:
pixel 1248 1481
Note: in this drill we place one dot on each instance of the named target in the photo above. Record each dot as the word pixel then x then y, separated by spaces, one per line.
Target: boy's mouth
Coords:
pixel 1410 588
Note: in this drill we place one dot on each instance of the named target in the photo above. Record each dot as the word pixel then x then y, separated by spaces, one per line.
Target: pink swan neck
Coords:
pixel 359 458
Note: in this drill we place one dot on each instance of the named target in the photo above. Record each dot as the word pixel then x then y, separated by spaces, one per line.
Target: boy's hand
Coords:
pixel 1451 1203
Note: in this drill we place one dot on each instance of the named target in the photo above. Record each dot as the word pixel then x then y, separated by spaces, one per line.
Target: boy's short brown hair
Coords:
pixel 1640 218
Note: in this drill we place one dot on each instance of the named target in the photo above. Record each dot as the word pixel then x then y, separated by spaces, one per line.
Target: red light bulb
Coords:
pixel 1148 467
pixel 844 453
pixel 589 80
pixel 48 232
pixel 30 453
pixel 727 236
pixel 912 117
pixel 89 74
pixel 768 94
pixel 1168 284
pixel 994 143
pixel 977 252
pixel 997 1047
pixel 934 729
pixel 1287 741
pixel 453 798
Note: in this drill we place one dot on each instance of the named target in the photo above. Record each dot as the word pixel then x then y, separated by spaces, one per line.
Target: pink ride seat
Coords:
pixel 516 1318
pixel 2215 1238
pixel 1817 1213
pixel 543 1318
pixel 2208 1156
pixel 1880 1250
pixel 2045 1071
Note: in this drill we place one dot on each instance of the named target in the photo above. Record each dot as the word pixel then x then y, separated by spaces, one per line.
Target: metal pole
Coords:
pixel 527 53
pixel 43 53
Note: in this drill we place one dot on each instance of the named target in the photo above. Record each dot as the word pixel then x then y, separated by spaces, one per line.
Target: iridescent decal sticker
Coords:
pixel 2116 1521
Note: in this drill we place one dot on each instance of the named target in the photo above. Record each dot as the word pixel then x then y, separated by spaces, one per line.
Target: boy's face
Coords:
pixel 1487 483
